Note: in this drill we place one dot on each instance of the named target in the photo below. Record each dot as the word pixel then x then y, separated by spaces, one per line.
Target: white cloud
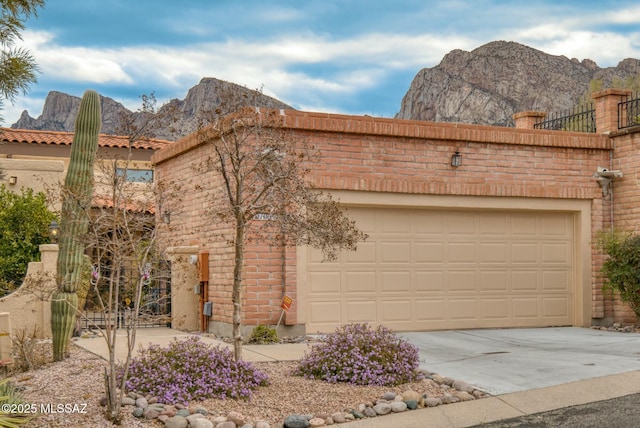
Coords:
pixel 630 15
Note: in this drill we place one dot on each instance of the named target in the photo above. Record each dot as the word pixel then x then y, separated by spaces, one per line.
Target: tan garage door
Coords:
pixel 441 269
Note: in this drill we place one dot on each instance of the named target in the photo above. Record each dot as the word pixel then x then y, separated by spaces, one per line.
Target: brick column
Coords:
pixel 527 119
pixel 607 108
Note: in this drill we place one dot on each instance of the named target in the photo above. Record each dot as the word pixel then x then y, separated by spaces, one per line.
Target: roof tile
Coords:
pixel 66 138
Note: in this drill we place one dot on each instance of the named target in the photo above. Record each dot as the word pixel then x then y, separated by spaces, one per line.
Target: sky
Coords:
pixel 350 56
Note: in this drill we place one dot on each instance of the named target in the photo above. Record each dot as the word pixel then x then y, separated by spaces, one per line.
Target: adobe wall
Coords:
pixel 366 154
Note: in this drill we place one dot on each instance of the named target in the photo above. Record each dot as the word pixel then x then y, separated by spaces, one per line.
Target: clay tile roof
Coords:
pixel 66 138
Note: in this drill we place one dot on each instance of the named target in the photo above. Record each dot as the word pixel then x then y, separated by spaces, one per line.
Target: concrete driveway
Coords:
pixel 511 360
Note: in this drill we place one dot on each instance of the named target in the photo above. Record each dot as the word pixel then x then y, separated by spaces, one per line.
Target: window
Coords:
pixel 136 175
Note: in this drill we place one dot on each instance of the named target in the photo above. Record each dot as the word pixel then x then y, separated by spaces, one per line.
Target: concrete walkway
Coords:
pixel 575 366
pixel 163 336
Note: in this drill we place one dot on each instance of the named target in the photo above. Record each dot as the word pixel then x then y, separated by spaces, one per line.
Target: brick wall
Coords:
pixel 382 155
pixel 626 197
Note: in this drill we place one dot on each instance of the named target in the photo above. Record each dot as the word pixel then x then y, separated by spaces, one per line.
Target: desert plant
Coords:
pixel 263 334
pixel 621 269
pixel 358 354
pixel 189 370
pixel 74 221
pixel 10 396
pixel 30 354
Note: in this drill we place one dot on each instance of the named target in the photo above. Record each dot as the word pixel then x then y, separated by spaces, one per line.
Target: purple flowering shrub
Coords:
pixel 189 370
pixel 360 355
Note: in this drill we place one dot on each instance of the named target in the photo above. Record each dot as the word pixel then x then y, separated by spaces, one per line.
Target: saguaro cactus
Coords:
pixel 76 203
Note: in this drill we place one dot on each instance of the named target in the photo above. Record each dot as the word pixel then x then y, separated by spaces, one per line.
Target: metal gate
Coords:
pixel 155 302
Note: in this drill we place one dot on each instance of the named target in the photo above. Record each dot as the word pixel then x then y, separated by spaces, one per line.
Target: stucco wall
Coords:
pixel 29 307
pixel 30 173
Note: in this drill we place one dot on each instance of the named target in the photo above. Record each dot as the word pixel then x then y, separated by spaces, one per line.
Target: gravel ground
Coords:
pixel 78 381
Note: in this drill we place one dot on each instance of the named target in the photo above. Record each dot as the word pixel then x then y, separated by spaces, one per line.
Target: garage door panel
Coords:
pixel 461 252
pixel 525 307
pixel 524 280
pixel 495 309
pixel 461 281
pixel 394 222
pixel 493 225
pixel 396 282
pixel 395 252
pixel 523 225
pixel 361 311
pixel 494 252
pixel 396 310
pixel 366 253
pixel 555 307
pixel 325 313
pixel 497 280
pixel 556 253
pixel 429 281
pixel 461 223
pixel 317 258
pixel 555 225
pixel 525 252
pixel 462 309
pixel 325 283
pixel 429 309
pixel 360 282
pixel 431 269
pixel 429 252
pixel 429 223
pixel 556 281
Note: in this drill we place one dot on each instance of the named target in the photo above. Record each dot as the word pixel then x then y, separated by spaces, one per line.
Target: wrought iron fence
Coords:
pixel 629 112
pixel 155 304
pixel 581 118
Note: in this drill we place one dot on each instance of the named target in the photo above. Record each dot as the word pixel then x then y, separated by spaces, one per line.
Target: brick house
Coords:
pixel 504 239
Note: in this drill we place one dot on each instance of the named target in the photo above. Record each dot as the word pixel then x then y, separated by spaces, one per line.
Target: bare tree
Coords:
pixel 263 169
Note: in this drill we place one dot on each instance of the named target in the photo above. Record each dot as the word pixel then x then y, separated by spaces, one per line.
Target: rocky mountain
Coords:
pixel 180 117
pixel 491 83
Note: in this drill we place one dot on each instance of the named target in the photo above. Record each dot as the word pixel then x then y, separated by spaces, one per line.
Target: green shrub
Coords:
pixel 24 226
pixel 360 355
pixel 621 269
pixel 263 334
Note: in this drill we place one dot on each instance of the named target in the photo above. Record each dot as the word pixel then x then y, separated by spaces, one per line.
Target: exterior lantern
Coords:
pixel 54 231
pixel 456 159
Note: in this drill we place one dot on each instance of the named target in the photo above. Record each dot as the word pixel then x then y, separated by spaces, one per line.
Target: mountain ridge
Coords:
pixel 487 85
pixel 484 86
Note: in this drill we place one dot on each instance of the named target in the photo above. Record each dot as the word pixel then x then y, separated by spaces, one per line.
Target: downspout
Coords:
pixel 611 168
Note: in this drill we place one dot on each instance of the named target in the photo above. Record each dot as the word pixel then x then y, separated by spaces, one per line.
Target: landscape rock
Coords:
pixel 339 418
pixel 382 408
pixel 398 406
pixel 432 402
pixel 142 402
pixel 176 422
pixel 200 423
pixel 296 421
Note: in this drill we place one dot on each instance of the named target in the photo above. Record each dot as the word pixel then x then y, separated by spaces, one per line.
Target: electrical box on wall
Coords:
pixel 196 289
pixel 207 310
